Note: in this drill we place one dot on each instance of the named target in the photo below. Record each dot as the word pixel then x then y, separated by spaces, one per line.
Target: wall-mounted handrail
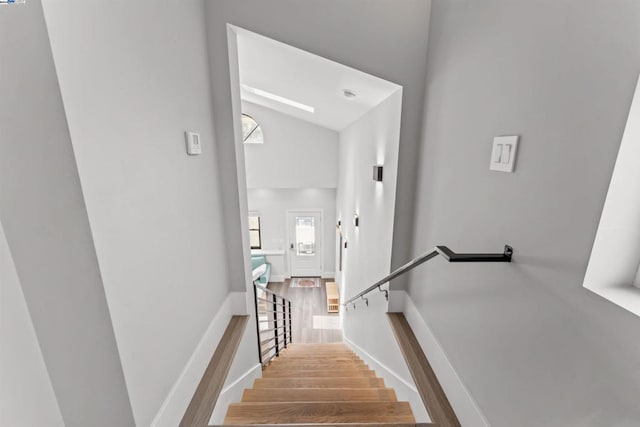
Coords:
pixel 446 253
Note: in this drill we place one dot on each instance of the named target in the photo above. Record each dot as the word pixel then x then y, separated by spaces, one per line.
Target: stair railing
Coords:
pixel 443 251
pixel 273 320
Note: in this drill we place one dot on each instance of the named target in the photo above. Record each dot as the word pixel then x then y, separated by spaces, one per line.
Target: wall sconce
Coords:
pixel 356 220
pixel 377 173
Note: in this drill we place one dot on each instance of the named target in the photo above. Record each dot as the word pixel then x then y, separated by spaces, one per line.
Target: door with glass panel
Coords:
pixel 305 243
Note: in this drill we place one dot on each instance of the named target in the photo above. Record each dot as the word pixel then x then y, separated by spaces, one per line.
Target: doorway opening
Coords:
pixel 309 133
pixel 306 246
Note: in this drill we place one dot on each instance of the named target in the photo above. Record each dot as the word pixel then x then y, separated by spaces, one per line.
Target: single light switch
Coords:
pixel 193 143
pixel 496 155
pixel 506 153
pixel 503 155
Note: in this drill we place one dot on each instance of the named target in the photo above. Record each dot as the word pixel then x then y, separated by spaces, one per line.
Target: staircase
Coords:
pixel 319 384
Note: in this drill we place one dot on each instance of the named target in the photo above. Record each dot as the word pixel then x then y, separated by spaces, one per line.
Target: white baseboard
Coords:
pixel 464 405
pixel 405 389
pixel 279 278
pixel 283 277
pixel 176 402
pixel 232 394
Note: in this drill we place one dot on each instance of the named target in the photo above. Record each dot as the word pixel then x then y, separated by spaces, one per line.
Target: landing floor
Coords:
pixel 311 322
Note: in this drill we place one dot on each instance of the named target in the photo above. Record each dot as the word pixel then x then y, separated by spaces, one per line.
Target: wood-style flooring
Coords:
pixel 306 303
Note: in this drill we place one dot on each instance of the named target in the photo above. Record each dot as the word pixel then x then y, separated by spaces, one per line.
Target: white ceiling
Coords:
pixel 306 78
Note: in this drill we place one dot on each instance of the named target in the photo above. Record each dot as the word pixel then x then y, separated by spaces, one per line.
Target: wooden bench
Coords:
pixel 333 298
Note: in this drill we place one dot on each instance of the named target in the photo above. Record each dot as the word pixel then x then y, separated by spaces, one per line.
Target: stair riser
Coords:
pixel 316 355
pixel 319 395
pixel 318 373
pixel 277 367
pixel 287 355
pixel 319 383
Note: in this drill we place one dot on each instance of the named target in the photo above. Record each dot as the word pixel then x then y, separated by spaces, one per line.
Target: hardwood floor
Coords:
pixel 205 396
pixel 305 304
pixel 433 396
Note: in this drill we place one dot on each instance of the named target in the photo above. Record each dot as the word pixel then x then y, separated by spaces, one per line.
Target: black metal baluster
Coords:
pixel 284 319
pixel 290 330
pixel 255 300
pixel 275 322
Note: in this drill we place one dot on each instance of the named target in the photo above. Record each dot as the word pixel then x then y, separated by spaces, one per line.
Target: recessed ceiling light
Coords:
pixel 279 98
pixel 348 93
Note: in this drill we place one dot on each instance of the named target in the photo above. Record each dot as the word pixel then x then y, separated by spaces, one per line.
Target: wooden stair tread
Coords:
pixel 318 373
pixel 319 412
pixel 319 395
pixel 340 425
pixel 318 383
pixel 286 355
pixel 318 367
pixel 324 344
pixel 316 351
pixel 311 365
pixel 320 348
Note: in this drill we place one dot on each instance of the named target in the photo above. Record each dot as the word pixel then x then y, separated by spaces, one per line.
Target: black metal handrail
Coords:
pixel 445 252
pixel 277 324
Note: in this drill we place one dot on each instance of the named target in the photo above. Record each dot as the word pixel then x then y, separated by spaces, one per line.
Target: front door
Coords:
pixel 305 243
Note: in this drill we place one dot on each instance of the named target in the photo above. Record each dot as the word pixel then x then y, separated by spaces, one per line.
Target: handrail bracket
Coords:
pixel 386 292
pixel 451 256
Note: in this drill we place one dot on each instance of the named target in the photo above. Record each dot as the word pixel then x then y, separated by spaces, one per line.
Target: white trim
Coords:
pixel 463 403
pixel 240 378
pixel 613 273
pixel 288 236
pixel 233 393
pixel 267 252
pixel 329 275
pixel 355 347
pixel 405 390
pixel 277 278
pixel 175 404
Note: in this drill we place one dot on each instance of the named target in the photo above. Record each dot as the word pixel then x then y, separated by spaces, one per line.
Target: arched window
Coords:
pixel 251 131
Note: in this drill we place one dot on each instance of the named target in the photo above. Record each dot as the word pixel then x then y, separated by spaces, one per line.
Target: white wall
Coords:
pixel 272 204
pixel 371 140
pixel 134 77
pixel 532 345
pixel 26 394
pixel 295 153
pixel 45 222
pixel 611 274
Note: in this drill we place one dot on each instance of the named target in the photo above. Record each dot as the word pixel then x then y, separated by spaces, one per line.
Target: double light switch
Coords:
pixel 503 155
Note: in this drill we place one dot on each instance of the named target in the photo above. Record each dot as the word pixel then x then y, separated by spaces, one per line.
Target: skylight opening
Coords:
pixel 278 98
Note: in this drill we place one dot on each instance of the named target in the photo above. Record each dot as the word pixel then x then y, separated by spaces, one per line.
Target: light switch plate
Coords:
pixel 194 146
pixel 503 155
